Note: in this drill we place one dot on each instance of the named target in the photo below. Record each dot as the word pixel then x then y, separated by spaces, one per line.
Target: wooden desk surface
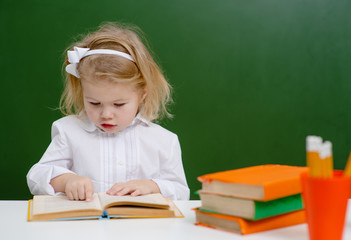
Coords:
pixel 14 225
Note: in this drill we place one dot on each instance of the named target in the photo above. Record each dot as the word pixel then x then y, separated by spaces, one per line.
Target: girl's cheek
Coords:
pixel 91 114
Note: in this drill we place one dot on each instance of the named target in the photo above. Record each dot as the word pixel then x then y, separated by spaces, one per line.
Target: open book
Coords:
pixel 47 207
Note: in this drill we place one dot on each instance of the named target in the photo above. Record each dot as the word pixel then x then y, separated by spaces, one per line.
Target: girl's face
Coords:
pixel 111 106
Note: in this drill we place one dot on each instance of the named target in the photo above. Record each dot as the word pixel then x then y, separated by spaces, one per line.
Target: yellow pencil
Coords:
pixel 327 160
pixel 347 171
pixel 313 148
pixel 319 157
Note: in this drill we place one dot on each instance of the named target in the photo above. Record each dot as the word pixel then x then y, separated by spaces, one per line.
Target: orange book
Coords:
pixel 242 226
pixel 262 183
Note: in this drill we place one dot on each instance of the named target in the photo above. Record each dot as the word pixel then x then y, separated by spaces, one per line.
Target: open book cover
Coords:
pixel 103 206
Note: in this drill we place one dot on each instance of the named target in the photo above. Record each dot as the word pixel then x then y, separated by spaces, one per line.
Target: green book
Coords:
pixel 247 208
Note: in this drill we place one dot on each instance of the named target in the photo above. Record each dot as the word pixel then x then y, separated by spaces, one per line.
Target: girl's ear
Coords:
pixel 143 95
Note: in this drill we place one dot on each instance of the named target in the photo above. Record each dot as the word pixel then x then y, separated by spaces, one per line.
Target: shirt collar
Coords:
pixel 89 126
pixel 140 119
pixel 86 124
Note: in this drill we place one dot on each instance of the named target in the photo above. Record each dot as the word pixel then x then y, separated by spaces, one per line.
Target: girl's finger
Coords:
pixel 70 195
pixel 137 192
pixel 124 191
pixel 81 192
pixel 74 193
pixel 114 189
pixel 89 191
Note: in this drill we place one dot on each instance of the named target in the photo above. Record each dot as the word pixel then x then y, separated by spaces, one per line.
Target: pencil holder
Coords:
pixel 325 201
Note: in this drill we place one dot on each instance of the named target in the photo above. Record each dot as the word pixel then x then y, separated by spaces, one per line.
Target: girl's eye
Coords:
pixel 119 104
pixel 94 103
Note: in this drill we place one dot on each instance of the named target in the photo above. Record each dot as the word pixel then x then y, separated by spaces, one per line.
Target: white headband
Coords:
pixel 78 53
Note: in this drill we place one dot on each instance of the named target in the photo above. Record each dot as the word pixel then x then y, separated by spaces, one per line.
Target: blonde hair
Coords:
pixel 144 73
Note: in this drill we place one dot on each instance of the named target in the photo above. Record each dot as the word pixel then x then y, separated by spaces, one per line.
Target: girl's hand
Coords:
pixel 79 188
pixel 76 187
pixel 134 188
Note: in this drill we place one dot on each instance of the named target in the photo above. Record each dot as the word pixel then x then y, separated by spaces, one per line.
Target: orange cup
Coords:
pixel 325 202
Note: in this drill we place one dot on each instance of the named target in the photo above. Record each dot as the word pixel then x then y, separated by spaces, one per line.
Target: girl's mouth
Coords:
pixel 108 126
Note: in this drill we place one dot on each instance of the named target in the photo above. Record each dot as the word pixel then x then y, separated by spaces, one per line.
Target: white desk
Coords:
pixel 14 225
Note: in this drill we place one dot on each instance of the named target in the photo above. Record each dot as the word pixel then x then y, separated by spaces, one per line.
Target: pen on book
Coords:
pixel 347 171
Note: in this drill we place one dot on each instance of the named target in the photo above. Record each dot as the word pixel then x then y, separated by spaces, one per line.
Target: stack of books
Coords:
pixel 251 199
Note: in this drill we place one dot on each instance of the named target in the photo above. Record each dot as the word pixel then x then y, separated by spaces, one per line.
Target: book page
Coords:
pixel 150 200
pixel 43 204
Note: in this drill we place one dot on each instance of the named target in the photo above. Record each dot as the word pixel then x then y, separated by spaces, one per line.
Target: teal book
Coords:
pixel 247 208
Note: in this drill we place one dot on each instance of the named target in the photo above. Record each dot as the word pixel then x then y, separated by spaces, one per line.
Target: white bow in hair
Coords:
pixel 74 57
pixel 78 53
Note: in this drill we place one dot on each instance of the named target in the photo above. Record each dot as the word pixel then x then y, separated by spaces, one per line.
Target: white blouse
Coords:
pixel 143 150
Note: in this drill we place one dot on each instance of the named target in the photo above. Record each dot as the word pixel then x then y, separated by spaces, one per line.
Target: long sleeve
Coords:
pixel 56 160
pixel 172 181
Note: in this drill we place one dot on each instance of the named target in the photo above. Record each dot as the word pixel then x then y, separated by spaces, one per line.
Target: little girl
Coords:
pixel 107 141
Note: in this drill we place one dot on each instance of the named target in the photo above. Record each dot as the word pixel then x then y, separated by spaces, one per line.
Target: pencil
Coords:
pixel 347 171
pixel 319 157
pixel 313 145
pixel 326 160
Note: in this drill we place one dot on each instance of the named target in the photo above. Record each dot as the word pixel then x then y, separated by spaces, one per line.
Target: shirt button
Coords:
pixel 120 162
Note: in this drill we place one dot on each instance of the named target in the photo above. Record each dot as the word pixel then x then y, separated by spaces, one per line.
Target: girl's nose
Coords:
pixel 106 113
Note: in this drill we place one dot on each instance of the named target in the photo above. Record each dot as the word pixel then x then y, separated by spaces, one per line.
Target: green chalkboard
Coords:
pixel 251 78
